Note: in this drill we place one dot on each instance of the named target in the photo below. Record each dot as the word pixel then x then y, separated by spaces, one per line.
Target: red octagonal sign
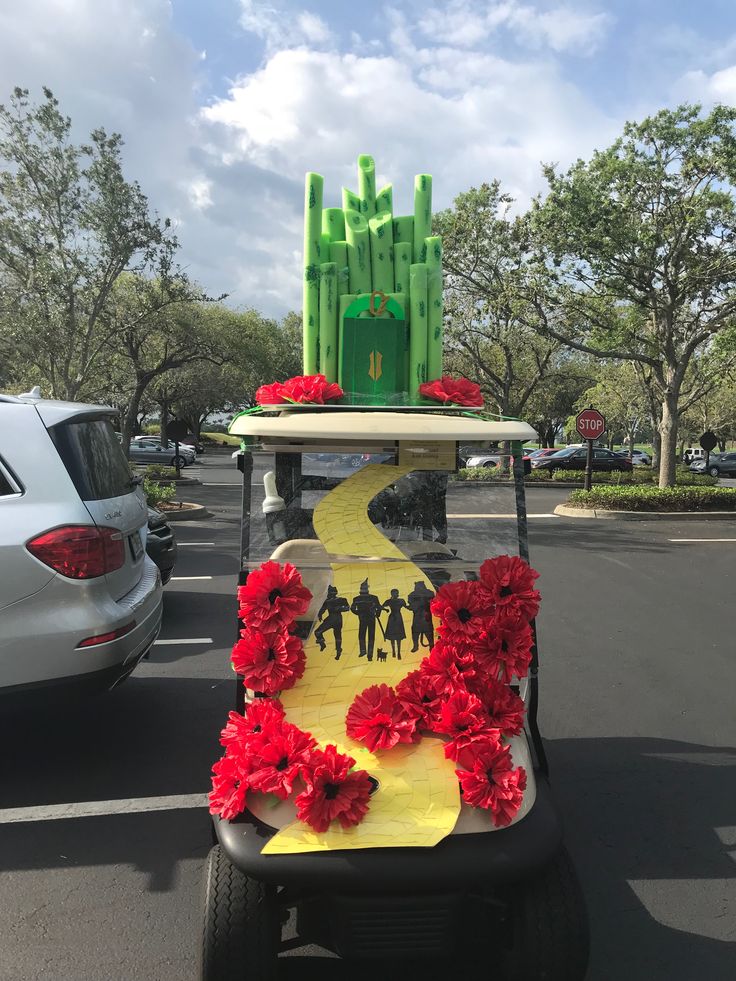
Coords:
pixel 590 423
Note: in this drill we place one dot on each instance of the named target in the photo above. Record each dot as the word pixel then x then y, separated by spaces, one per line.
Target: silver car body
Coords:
pixel 61 465
pixel 141 451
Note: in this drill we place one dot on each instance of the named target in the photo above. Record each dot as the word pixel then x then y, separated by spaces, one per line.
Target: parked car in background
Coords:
pixel 693 453
pixel 719 465
pixel 574 458
pixel 541 453
pixel 161 544
pixel 638 457
pixel 80 600
pixel 191 440
pixel 141 451
pixel 489 459
pixel 155 441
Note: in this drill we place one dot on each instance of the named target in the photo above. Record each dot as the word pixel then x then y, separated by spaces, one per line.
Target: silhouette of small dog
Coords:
pixel 380 654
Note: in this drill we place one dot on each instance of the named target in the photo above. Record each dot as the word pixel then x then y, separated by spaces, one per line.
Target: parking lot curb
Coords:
pixel 567 512
pixel 195 512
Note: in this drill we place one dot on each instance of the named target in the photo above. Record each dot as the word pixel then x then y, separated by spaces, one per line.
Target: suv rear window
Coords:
pixel 93 457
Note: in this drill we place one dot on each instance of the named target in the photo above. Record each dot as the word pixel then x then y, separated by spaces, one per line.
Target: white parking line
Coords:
pixel 541 515
pixel 100 808
pixel 188 578
pixel 688 540
pixel 227 483
pixel 183 640
pixel 180 544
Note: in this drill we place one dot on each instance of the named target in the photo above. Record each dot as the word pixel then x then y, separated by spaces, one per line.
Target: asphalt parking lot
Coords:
pixel 637 705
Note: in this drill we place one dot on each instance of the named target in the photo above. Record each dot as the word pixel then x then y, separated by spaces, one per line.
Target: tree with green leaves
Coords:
pixel 71 226
pixel 639 248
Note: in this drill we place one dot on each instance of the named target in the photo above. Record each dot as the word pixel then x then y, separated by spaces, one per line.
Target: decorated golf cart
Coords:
pixel 383 777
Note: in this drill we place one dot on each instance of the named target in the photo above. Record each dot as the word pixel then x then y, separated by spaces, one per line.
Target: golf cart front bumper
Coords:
pixel 459 864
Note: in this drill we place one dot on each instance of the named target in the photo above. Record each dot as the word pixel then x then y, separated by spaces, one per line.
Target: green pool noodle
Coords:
pixel 403 300
pixel 404 229
pixel 402 261
pixel 382 252
pixel 350 201
pixel 344 302
pixel 339 255
pixel 324 248
pixel 313 188
pixel 418 329
pixel 333 225
pixel 422 214
pixel 434 307
pixel 328 311
pixel 385 199
pixel 359 252
pixel 367 185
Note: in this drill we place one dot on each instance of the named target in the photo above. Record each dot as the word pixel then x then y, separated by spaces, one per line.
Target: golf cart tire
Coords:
pixel 550 926
pixel 241 924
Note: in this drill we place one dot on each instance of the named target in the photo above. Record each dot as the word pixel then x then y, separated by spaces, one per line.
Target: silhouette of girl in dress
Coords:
pixel 395 631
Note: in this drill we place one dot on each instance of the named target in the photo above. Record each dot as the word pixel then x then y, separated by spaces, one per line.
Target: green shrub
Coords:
pixel 157 493
pixel 161 471
pixel 481 473
pixel 153 429
pixel 218 439
pixel 643 498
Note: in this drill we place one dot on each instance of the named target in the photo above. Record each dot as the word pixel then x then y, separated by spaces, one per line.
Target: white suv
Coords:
pixel 80 601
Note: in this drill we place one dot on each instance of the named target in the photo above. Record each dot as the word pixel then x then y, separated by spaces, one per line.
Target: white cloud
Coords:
pixel 467 23
pixel 700 86
pixel 282 26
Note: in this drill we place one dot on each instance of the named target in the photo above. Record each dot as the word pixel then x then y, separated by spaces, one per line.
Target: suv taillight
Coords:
pixel 80 551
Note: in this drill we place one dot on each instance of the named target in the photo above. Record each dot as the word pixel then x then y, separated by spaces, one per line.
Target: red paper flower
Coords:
pixel 241 729
pixel 280 758
pixel 379 720
pixel 463 608
pixel 458 391
pixel 465 720
pixel 273 596
pixel 504 651
pixel 229 786
pixel 269 662
pixel 504 707
pixel 510 581
pixel 333 792
pixel 312 389
pixel 448 666
pixel 421 695
pixel 489 781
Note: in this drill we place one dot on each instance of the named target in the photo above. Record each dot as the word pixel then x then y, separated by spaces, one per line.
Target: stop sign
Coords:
pixel 590 423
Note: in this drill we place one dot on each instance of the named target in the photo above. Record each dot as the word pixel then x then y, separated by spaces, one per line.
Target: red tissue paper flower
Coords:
pixel 458 391
pixel 273 596
pixel 449 666
pixel 510 581
pixel 333 792
pixel 310 389
pixel 490 781
pixel 241 730
pixel 269 662
pixel 504 651
pixel 279 759
pixel 465 720
pixel 229 786
pixel 463 608
pixel 504 707
pixel 379 719
pixel 420 692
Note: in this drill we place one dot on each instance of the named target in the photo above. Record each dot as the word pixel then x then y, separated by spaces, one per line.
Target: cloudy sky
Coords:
pixel 224 104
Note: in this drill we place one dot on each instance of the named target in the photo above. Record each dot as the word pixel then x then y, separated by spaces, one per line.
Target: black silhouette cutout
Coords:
pixel 367 609
pixel 422 630
pixel 332 609
pixel 395 631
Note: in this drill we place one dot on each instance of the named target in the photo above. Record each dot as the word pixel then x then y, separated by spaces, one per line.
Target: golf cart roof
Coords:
pixel 373 425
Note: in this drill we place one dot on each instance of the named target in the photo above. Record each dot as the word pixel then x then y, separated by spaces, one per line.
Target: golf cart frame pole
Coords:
pixel 523 537
pixel 245 465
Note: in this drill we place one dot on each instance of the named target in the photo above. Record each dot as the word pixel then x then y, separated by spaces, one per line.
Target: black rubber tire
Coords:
pixel 179 461
pixel 714 472
pixel 550 926
pixel 241 925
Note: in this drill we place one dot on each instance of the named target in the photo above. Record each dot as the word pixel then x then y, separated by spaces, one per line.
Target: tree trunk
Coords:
pixel 164 437
pixel 131 414
pixel 721 445
pixel 668 446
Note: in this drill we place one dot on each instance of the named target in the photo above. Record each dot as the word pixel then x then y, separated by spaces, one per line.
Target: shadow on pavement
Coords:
pixel 595 535
pixel 636 810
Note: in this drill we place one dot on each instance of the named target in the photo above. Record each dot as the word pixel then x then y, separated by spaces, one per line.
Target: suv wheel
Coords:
pixel 714 472
pixel 179 461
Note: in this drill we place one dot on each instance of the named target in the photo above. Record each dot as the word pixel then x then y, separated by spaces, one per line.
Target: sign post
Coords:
pixel 708 441
pixel 177 430
pixel 591 425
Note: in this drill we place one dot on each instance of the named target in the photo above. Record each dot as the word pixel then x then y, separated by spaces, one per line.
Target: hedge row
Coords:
pixel 639 476
pixel 656 499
